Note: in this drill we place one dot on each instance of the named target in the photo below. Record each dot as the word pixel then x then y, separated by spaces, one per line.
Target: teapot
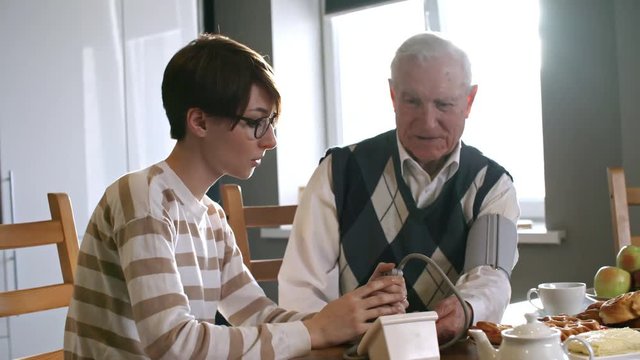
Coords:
pixel 531 341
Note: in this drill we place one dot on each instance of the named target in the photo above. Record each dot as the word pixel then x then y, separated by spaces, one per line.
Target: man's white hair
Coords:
pixel 427 45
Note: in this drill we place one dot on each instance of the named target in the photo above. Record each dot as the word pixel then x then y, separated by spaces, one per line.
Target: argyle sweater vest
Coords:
pixel 380 222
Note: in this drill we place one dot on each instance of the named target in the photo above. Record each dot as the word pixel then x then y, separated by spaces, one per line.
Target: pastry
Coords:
pixel 592 312
pixel 621 309
pixel 569 325
pixel 492 330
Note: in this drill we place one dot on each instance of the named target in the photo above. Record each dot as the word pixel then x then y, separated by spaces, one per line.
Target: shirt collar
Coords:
pixel 189 201
pixel 450 166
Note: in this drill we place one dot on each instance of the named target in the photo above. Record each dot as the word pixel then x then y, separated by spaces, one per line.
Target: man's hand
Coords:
pixel 450 318
pixel 346 317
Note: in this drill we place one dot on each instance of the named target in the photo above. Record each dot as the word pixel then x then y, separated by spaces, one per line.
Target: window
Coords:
pixel 505 122
pixel 363 44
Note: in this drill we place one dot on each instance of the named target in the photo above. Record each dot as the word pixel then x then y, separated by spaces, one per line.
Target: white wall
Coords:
pixel 80 104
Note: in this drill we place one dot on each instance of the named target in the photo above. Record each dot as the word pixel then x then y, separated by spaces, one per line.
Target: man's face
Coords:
pixel 431 102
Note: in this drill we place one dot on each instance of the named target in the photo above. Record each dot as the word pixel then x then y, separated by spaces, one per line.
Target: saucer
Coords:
pixel 591 295
pixel 589 299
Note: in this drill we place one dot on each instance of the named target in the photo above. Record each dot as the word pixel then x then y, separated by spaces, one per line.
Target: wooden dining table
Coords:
pixel 463 350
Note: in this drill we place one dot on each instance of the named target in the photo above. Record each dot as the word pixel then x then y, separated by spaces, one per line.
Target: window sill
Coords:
pixel 538 234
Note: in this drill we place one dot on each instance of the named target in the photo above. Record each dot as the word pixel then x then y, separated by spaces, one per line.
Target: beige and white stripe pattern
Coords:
pixel 154 267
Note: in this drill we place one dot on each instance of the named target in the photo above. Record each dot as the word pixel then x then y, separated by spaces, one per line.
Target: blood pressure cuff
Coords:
pixel 492 240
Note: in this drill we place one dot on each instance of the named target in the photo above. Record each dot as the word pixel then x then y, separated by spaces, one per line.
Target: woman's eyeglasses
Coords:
pixel 260 125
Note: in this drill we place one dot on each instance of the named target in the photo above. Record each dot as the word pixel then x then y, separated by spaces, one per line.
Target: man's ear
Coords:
pixel 196 122
pixel 470 97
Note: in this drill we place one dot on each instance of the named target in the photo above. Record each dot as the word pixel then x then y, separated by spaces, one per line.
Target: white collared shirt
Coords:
pixel 424 189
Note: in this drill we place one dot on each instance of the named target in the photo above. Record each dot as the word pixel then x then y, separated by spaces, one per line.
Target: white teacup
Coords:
pixel 559 297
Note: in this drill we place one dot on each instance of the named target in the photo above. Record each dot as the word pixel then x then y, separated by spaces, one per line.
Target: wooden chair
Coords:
pixel 621 198
pixel 61 231
pixel 241 217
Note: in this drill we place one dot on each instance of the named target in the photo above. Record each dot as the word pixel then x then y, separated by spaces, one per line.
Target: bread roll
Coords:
pixel 622 308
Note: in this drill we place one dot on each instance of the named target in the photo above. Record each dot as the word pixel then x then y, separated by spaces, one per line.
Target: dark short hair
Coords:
pixel 213 73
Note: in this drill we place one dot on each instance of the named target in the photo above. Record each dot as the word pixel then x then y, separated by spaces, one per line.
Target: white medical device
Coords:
pixel 402 336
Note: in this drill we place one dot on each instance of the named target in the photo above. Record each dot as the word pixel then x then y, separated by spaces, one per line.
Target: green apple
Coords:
pixel 611 281
pixel 628 258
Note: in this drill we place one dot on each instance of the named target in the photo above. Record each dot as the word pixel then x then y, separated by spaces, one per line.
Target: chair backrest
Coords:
pixel 621 198
pixel 241 217
pixel 60 231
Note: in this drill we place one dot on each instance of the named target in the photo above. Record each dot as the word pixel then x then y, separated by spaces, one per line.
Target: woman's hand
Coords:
pixel 380 271
pixel 348 316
